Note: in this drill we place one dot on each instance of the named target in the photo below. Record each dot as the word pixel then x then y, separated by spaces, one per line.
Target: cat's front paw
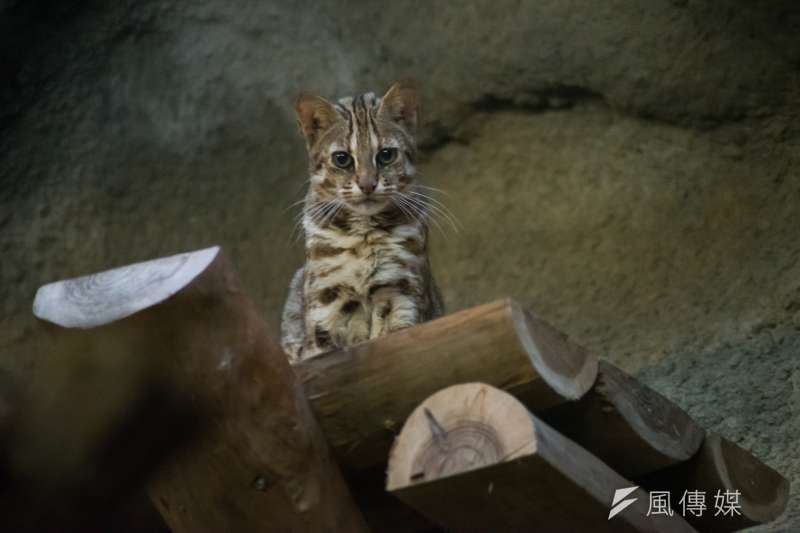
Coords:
pixel 386 323
pixel 399 325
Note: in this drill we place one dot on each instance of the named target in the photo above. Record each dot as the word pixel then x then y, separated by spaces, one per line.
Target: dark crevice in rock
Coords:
pixel 437 139
pixel 561 97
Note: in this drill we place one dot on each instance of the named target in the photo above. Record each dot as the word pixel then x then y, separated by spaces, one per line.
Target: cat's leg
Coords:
pixel 293 319
pixel 336 317
pixel 393 308
pixel 353 326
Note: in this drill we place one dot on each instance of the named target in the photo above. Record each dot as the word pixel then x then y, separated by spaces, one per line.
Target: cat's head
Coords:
pixel 361 150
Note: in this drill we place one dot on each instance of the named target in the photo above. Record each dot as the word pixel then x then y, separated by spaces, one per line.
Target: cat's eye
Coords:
pixel 386 156
pixel 342 159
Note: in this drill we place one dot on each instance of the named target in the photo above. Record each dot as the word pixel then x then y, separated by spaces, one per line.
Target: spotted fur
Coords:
pixel 367 271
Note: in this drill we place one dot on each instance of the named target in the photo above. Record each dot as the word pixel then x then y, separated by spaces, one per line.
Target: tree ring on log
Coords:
pixel 471 443
pixel 108 296
pixel 460 428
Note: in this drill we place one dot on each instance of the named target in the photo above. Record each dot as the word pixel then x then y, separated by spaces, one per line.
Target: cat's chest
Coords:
pixel 357 260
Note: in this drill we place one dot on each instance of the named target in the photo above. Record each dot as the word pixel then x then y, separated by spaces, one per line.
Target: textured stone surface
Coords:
pixel 627 169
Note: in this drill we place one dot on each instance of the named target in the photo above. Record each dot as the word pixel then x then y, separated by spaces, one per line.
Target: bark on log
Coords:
pixel 362 395
pixel 79 442
pixel 264 464
pixel 627 425
pixel 473 458
pixel 722 466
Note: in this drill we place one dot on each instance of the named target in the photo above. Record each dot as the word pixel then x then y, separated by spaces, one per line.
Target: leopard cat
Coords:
pixel 365 219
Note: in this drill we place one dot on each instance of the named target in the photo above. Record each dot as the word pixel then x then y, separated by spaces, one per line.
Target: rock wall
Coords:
pixel 629 170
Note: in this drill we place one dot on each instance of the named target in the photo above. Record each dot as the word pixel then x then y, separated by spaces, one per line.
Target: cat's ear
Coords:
pixel 314 116
pixel 401 104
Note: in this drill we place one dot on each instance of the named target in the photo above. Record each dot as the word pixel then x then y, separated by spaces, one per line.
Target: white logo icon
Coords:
pixel 619 504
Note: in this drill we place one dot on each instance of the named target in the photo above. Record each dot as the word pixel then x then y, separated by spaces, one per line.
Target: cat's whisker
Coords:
pixel 302 220
pixel 296 233
pixel 439 208
pixel 293 204
pixel 434 211
pixel 434 218
pixel 320 207
pixel 416 206
pixel 300 223
pixel 405 210
pixel 433 199
pixel 337 206
pixel 424 215
pixel 294 236
pixel 438 212
pixel 329 213
pixel 420 186
pixel 403 204
pixel 316 216
pixel 428 197
pixel 314 213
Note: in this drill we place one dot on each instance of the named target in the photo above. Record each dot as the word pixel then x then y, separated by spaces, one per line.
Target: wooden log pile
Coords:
pixel 593 409
pixel 487 419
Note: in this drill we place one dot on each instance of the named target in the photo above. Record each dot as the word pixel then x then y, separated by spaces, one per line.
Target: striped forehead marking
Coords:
pixel 362 131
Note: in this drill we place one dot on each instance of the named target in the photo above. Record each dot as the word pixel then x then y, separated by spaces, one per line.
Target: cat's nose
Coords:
pixel 367 186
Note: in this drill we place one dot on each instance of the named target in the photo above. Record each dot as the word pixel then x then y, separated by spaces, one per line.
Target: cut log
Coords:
pixel 263 464
pixel 472 458
pixel 719 467
pixel 362 395
pixel 77 447
pixel 627 425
